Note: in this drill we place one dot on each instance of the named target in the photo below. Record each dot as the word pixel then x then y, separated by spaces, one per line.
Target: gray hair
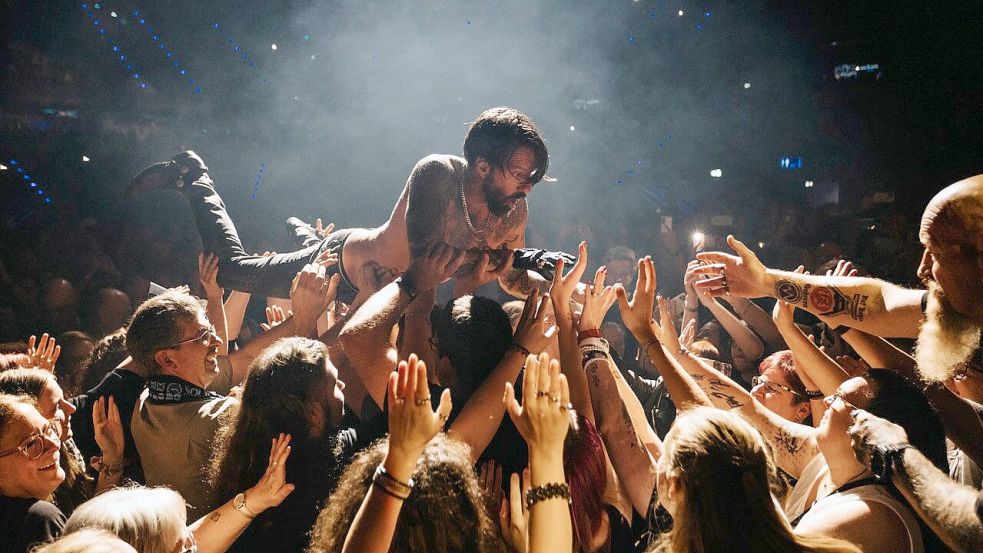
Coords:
pixel 152 520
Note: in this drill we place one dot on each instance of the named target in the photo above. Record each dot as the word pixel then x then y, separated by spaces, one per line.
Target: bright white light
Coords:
pixel 747 85
pixel 572 128
pixel 809 184
pixel 112 14
pixel 680 12
pixel 698 238
pixel 761 245
pixel 273 46
pixel 716 173
pixel 85 158
pixel 313 56
pixel 3 167
pixel 857 68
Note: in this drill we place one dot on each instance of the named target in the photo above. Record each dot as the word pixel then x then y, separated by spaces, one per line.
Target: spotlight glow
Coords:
pixel 273 46
pixel 680 13
pixel 716 173
pixel 572 128
pixel 698 238
pixel 85 158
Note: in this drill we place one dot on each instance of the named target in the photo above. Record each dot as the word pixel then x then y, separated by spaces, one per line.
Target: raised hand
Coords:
pixel 564 286
pixel 532 331
pixel 665 329
pixel 853 367
pixel 543 418
pixel 310 294
pixel 688 334
pixel 208 275
pixel 327 258
pixel 869 431
pixel 783 314
pixel 740 275
pixel 482 273
pixel 272 487
pixel 322 231
pixel 45 355
pixel 108 430
pixel 412 421
pixel 843 268
pixel 598 299
pixel 490 478
pixel 513 515
pixel 437 263
pixel 274 317
pixel 637 312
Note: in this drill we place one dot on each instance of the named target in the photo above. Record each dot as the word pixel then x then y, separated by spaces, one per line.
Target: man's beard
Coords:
pixel 498 204
pixel 946 338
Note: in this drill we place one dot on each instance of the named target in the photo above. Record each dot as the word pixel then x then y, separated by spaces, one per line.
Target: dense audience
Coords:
pixel 679 400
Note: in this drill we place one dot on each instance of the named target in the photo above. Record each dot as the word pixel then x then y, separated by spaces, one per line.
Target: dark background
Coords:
pixel 356 92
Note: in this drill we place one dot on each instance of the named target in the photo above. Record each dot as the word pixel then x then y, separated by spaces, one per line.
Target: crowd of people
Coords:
pixel 397 399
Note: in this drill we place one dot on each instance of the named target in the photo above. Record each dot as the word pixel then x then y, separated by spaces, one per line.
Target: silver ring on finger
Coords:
pixel 421 401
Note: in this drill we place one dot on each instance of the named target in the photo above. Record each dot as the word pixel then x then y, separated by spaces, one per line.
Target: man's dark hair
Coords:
pixel 156 324
pixel 497 133
pixel 474 333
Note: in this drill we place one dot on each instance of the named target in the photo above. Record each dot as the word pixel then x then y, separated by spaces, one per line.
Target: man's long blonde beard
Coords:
pixel 946 338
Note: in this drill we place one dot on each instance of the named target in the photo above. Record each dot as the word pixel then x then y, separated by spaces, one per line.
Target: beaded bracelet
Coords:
pixel 107 470
pixel 592 356
pixel 547 491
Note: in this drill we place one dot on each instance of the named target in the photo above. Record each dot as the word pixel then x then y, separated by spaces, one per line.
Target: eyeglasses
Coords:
pixel 773 387
pixel 962 373
pixel 205 337
pixel 33 446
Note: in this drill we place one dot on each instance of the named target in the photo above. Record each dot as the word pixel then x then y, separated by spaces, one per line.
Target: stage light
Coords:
pixel 85 158
pixel 716 173
pixel 809 184
pixel 3 167
pixel 572 128
pixel 747 85
pixel 273 46
pixel 761 245
pixel 791 162
pixel 698 238
pixel 680 13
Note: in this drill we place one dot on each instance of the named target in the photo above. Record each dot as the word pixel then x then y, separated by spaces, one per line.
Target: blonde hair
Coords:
pixel 726 475
pixel 90 540
pixel 152 520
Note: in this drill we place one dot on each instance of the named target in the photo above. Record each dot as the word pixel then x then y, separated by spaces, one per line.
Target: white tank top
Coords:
pixel 871 493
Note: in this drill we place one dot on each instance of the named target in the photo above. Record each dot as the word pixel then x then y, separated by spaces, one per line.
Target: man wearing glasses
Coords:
pixel 475 203
pixel 177 415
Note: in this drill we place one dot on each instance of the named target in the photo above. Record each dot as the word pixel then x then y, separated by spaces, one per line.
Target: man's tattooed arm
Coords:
pixel 874 306
pixel 828 301
pixel 520 283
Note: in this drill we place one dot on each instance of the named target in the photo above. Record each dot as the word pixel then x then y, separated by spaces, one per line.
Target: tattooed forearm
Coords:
pixel 520 283
pixel 824 300
pixel 792 443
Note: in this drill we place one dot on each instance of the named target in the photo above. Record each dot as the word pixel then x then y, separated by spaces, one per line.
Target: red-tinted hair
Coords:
pixel 783 361
pixel 583 463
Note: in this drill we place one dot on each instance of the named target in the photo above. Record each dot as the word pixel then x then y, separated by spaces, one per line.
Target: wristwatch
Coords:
pixel 239 502
pixel 885 459
pixel 407 286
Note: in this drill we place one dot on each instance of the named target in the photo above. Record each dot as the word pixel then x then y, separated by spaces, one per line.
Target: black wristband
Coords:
pixel 547 491
pixel 406 285
pixel 814 394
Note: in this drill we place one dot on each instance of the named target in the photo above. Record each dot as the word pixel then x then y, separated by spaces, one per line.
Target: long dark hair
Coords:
pixel 277 392
pixel 444 513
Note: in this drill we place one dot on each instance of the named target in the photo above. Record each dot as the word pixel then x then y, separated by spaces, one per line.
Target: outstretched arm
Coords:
pixel 872 305
pixel 810 360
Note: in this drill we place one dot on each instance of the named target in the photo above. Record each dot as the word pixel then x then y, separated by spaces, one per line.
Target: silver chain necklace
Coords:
pixel 467 217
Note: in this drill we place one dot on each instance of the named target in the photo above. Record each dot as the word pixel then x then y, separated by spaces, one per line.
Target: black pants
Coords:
pixel 256 274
